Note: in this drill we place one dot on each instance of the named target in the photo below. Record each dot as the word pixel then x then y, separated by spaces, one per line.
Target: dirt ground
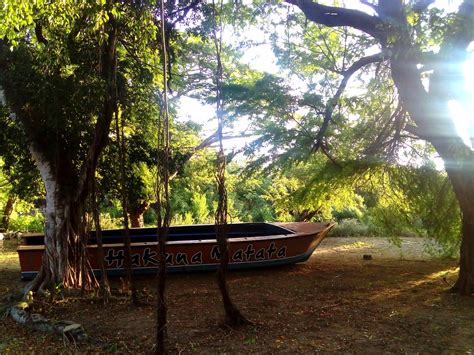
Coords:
pixel 335 302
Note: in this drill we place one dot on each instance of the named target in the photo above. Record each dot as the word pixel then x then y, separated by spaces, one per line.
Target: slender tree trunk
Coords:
pixel 136 219
pixel 7 211
pixel 162 308
pixel 163 195
pixel 104 287
pixel 233 317
pixel 123 187
pixel 128 257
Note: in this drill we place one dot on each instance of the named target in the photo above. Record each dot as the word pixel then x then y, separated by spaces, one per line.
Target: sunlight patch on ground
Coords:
pixel 8 256
pixel 355 245
pixel 8 259
pixel 444 273
pixel 450 272
pixel 442 276
pixel 436 276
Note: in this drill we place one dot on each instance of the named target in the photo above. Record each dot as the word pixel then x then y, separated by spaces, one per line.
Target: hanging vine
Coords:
pixel 162 191
pixel 233 317
pixel 119 129
pixel 104 287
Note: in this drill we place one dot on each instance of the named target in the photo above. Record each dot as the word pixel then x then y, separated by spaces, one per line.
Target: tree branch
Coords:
pixel 39 34
pixel 373 6
pixel 422 5
pixel 334 101
pixel 413 130
pixel 329 156
pixel 336 16
pixel 206 143
pixel 447 82
pixel 213 138
pixel 102 126
pixel 4 184
pixel 185 11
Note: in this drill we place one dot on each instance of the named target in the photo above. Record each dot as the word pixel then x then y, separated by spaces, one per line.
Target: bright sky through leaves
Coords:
pixel 261 58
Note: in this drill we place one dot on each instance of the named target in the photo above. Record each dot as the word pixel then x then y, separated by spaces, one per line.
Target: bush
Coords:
pixel 183 219
pixel 149 217
pixel 27 223
pixel 109 222
pixel 347 213
pixel 353 228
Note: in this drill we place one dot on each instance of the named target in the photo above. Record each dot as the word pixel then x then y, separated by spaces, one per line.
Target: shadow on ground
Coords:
pixel 335 302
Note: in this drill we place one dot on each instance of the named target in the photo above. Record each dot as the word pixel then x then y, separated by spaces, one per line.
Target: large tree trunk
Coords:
pixel 459 164
pixel 136 214
pixel 431 113
pixel 459 161
pixel 465 282
pixel 7 212
pixel 63 257
pixel 429 109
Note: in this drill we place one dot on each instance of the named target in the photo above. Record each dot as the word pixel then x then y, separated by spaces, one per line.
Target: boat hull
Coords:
pixel 296 244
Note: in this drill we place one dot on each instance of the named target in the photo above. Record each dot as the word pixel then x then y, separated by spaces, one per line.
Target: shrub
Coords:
pixel 353 228
pixel 149 217
pixel 109 222
pixel 347 213
pixel 27 223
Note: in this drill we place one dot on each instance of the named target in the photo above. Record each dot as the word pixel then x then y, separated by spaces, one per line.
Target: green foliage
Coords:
pixel 354 228
pixel 149 217
pixel 251 196
pixel 419 201
pixel 27 223
pixel 347 213
pixel 5 186
pixel 110 221
pixel 16 165
pixel 26 218
pixel 199 208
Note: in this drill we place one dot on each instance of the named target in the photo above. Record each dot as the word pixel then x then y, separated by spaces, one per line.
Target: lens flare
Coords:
pixel 463 113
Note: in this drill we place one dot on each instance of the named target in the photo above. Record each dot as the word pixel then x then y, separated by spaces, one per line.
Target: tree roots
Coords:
pixel 71 332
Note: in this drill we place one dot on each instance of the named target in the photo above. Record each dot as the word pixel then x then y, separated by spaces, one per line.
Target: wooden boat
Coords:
pixel 193 248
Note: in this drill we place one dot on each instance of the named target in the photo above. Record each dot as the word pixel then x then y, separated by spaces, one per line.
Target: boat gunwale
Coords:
pixel 188 242
pixel 292 234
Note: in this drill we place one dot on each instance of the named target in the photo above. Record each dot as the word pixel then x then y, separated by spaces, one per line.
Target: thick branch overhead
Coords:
pixel 334 100
pixel 336 16
pixel 422 5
